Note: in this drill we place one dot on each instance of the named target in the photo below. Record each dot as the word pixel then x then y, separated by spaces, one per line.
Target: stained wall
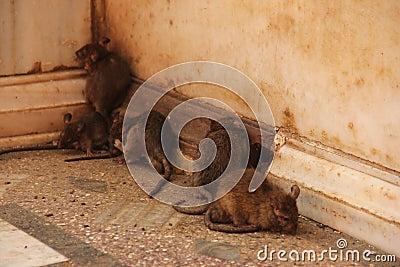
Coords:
pixel 330 70
pixel 41 35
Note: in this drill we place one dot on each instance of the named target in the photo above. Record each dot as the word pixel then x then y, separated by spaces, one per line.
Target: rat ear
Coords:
pixel 275 206
pixel 104 41
pixel 294 192
pixel 67 118
pixel 280 215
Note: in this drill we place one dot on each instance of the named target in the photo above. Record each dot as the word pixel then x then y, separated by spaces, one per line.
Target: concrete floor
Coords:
pixel 92 213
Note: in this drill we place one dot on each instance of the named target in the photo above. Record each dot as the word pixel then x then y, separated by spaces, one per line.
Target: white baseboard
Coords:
pixel 27 140
pixel 341 197
pixel 34 105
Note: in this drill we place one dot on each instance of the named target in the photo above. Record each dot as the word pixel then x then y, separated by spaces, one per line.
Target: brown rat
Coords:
pixel 269 208
pixel 108 81
pixel 152 139
pixel 87 133
pixel 116 133
pixel 118 120
pixel 221 139
pixel 91 53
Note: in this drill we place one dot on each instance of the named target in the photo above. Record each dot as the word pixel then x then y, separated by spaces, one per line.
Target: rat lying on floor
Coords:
pixel 269 208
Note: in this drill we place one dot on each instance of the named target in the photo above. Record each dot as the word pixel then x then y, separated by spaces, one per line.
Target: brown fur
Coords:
pixel 267 209
pixel 88 132
pixel 221 138
pixel 153 142
pixel 109 78
pixel 116 133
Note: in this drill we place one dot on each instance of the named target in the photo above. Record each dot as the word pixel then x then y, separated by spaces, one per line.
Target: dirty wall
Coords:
pixel 329 69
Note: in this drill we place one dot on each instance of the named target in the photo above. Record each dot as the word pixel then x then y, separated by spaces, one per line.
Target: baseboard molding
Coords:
pixel 27 140
pixel 36 104
pixel 341 197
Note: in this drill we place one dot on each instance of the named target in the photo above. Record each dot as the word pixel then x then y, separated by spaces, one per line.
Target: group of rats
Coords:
pixel 269 208
pixel 108 83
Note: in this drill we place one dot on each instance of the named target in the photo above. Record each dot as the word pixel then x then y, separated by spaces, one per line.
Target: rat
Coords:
pixel 220 136
pixel 116 132
pixel 269 208
pixel 87 133
pixel 108 79
pixel 152 139
pixel 118 120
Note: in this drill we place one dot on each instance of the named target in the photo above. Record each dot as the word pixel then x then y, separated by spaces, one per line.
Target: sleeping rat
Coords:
pixel 269 208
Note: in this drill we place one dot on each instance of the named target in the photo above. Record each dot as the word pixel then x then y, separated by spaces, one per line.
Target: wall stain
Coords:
pixel 350 125
pixel 360 82
pixel 289 120
pixel 283 25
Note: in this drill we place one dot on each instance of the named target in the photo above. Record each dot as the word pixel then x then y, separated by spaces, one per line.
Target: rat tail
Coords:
pixel 192 210
pixel 29 148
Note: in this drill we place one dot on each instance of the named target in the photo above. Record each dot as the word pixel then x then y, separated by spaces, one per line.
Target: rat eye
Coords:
pixel 284 219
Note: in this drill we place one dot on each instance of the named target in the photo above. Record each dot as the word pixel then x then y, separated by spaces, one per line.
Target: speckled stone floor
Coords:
pixel 94 214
